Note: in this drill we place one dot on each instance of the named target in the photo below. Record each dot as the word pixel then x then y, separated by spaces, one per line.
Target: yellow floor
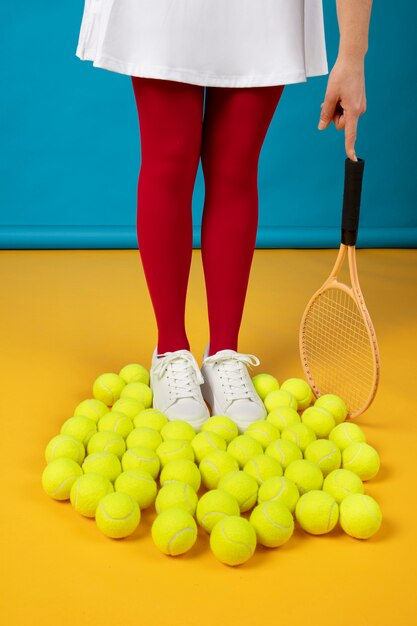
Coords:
pixel 67 316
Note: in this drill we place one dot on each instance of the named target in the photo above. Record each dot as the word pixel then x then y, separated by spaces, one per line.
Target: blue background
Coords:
pixel 70 142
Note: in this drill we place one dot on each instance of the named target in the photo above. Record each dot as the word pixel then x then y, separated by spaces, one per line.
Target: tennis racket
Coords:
pixel 337 340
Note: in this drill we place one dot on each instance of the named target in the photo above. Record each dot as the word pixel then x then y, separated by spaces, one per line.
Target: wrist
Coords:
pixel 352 54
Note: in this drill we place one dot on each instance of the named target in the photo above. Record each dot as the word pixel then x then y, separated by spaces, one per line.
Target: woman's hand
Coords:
pixel 345 99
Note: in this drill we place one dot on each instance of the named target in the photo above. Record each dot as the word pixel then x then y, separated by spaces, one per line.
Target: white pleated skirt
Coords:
pixel 223 43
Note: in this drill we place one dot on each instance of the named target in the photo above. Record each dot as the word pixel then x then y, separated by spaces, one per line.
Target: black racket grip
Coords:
pixel 352 200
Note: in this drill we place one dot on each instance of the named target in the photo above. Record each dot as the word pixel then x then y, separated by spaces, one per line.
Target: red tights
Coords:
pixel 174 134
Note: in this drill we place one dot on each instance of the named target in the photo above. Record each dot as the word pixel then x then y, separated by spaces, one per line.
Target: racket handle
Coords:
pixel 352 200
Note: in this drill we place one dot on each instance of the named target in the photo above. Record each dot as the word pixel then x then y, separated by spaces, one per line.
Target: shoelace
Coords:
pixel 231 368
pixel 184 372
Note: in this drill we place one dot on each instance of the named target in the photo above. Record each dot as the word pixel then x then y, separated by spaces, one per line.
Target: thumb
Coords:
pixel 327 111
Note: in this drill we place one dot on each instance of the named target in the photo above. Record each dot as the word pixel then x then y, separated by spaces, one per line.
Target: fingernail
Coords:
pixel 321 125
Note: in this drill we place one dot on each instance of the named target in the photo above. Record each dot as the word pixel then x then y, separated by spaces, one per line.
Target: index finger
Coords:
pixel 351 125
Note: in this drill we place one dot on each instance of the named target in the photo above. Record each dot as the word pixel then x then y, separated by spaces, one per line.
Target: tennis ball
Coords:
pixel 319 420
pixel 134 373
pixel 204 442
pixel 334 404
pixel 243 448
pixel 300 434
pixel 273 524
pixel 80 427
pixel 181 470
pixel 283 416
pixel 346 433
pixel 362 459
pixel 143 458
pixel 174 531
pixel 215 465
pixel 174 449
pixel 317 512
pixel 59 476
pixel 117 515
pixel 108 387
pixel 264 383
pixel 140 392
pixel 360 516
pixel 92 408
pixel 325 454
pixel 263 431
pixel 150 418
pixel 107 441
pixel 242 487
pixel 138 484
pixel 280 397
pixel 301 391
pixel 233 540
pixel 116 422
pixel 213 506
pixel 144 436
pixel 221 425
pixel 279 489
pixel 176 495
pixel 65 446
pixel 105 463
pixel 261 467
pixel 178 429
pixel 342 483
pixel 87 491
pixel 305 474
pixel 128 406
pixel 284 451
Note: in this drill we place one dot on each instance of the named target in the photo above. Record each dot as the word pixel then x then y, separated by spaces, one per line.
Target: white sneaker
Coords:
pixel 175 380
pixel 228 387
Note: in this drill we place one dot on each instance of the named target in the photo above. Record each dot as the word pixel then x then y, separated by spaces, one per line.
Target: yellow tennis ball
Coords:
pixel 243 448
pixel 263 431
pixel 283 416
pixel 221 425
pixel 334 404
pixel 279 397
pixel 134 373
pixel 144 436
pixel 261 467
pixel 117 515
pixel 181 470
pixel 105 463
pixel 108 387
pixel 92 408
pixel 174 449
pixel 116 422
pixel 300 434
pixel 87 491
pixel 213 506
pixel 342 483
pixel 80 427
pixel 284 451
pixel 301 391
pixel 319 420
pixel 360 516
pixel 264 384
pixel 206 441
pixel 65 446
pixel 143 458
pixel 273 524
pixel 150 418
pixel 107 441
pixel 215 465
pixel 59 476
pixel 279 489
pixel 140 392
pixel 325 454
pixel 128 406
pixel 233 540
pixel 241 486
pixel 305 474
pixel 176 495
pixel 346 433
pixel 178 429
pixel 138 484
pixel 174 531
pixel 317 512
pixel 362 459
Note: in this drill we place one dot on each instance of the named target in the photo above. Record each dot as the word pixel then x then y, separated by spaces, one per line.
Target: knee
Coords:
pixel 172 164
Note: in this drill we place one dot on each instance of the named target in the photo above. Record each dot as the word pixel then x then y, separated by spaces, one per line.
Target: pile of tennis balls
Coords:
pixel 302 464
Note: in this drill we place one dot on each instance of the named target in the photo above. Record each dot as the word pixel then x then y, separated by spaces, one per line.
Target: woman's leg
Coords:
pixel 170 118
pixel 235 124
